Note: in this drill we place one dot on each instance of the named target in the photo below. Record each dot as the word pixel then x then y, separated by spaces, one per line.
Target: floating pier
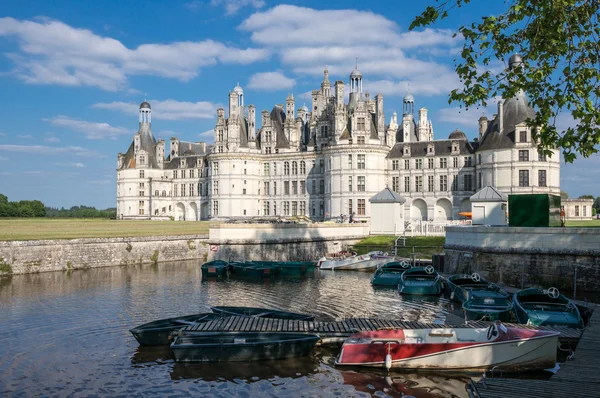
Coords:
pixel 577 377
pixel 336 332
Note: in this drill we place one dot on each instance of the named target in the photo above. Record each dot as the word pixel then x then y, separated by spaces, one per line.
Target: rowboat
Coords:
pixel 389 274
pixel 286 268
pixel 420 281
pixel 215 268
pixel 509 349
pixel 158 332
pixel 261 313
pixel 253 270
pixel 365 262
pixel 541 307
pixel 216 347
pixel 464 287
pixel 488 308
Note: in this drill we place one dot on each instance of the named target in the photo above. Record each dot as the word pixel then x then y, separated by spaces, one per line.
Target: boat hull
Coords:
pixel 531 309
pixel 365 265
pixel 335 264
pixel 158 332
pixel 241 347
pixel 387 278
pixel 420 288
pixel 535 352
pixel 247 270
pixel 215 269
pixel 462 288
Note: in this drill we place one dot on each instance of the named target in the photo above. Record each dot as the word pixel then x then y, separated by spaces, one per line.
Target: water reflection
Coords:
pixel 66 333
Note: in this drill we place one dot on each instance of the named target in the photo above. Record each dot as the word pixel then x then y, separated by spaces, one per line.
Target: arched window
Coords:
pixel 164 193
pixel 286 168
pixel 303 167
pixel 294 167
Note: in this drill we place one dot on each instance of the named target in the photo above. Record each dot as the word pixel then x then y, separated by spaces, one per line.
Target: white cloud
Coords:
pixel 233 6
pixel 208 133
pixel 167 110
pixel 50 150
pixel 52 52
pixel 270 81
pixel 25 136
pixel 52 139
pixel 92 131
pixel 69 164
pixel 315 38
pixel 2 134
pixel 3 158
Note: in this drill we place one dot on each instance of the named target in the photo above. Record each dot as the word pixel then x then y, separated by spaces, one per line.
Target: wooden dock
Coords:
pixel 336 332
pixel 578 377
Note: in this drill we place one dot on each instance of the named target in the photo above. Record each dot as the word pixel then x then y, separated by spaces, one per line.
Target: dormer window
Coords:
pixel 430 149
pixel 360 139
pixel 142 159
pixel 523 136
pixel 406 150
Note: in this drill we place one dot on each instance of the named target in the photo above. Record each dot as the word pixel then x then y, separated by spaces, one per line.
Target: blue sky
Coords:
pixel 74 72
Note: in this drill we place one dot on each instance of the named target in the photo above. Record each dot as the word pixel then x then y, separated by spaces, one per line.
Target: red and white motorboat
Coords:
pixel 465 349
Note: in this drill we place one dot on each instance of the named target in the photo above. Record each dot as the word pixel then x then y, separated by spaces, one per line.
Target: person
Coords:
pixel 351 218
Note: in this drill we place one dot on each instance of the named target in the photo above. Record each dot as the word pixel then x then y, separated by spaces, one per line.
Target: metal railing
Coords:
pixel 431 228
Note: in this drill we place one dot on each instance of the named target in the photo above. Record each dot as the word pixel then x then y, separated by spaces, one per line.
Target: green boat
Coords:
pixel 389 274
pixel 286 268
pixel 546 307
pixel 158 332
pixel 480 308
pixel 253 270
pixel 422 281
pixel 215 268
pixel 464 287
pixel 242 346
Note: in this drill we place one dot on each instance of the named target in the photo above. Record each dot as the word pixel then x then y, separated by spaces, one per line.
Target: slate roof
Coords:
pixel 148 144
pixel 374 135
pixel 412 133
pixel 387 196
pixel 489 194
pixel 277 121
pixel 516 110
pixel 441 148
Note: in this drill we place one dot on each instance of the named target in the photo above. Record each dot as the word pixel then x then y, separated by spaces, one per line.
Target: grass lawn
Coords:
pixel 595 223
pixel 423 246
pixel 71 228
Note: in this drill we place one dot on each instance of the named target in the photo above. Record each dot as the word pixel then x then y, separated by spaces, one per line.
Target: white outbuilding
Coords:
pixel 488 207
pixel 387 213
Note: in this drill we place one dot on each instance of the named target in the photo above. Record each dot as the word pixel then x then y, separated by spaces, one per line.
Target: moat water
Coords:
pixel 67 334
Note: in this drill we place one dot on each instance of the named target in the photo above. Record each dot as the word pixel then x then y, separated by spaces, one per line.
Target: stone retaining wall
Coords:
pixel 562 257
pixel 22 257
pixel 285 242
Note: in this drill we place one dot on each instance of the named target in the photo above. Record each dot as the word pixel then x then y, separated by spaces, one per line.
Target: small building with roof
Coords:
pixel 488 207
pixel 387 213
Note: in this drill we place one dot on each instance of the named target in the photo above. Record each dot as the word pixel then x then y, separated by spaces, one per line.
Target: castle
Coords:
pixel 329 161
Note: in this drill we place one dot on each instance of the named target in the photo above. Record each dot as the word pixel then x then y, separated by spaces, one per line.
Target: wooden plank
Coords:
pixel 235 323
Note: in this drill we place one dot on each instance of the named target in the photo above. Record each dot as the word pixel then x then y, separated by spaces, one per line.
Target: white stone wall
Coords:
pixel 232 233
pixel 513 238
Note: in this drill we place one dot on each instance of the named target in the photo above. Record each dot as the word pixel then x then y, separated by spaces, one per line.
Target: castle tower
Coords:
pixel 290 109
pixel 379 117
pixel 145 115
pixel 408 117
pixel 326 85
pixel 252 122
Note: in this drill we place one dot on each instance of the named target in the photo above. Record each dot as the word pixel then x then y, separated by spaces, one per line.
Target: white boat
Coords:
pixel 365 262
pixel 509 349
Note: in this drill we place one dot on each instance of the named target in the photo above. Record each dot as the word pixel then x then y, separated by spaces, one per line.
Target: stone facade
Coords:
pixel 329 160
pixel 23 257
pixel 577 209
pixel 525 257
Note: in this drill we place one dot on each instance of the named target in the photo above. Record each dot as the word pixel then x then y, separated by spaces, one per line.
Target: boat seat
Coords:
pixel 239 340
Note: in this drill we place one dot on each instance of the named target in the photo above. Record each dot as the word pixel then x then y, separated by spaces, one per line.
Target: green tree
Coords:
pixel 596 204
pixel 564 195
pixel 559 44
pixel 3 199
pixel 586 197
